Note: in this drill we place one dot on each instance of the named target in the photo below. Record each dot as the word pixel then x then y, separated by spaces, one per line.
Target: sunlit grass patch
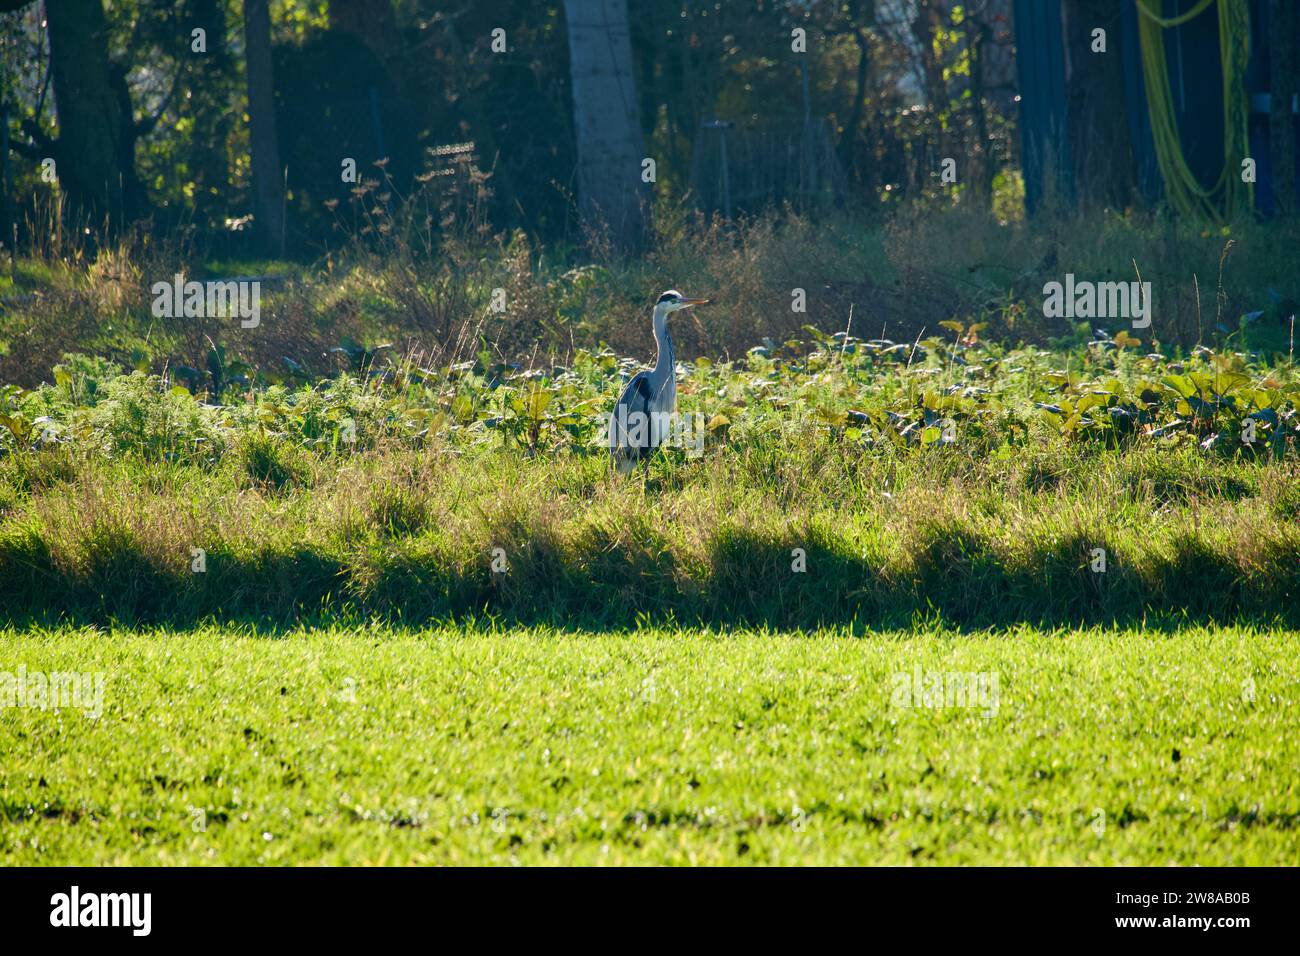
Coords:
pixel 480 745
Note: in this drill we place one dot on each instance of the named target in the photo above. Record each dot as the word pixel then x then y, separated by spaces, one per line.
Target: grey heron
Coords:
pixel 641 418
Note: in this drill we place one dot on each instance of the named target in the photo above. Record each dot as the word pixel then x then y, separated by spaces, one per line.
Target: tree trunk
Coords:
pixel 928 21
pixel 6 213
pixel 1284 85
pixel 268 178
pixel 850 148
pixel 1104 167
pixel 612 198
pixel 978 40
pixel 370 21
pixel 206 104
pixel 94 154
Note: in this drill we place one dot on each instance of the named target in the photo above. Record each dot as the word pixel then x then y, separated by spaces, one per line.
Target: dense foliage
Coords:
pixel 944 476
pixel 880 396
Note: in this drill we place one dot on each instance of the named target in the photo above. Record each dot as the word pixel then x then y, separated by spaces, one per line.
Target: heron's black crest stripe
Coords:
pixel 667 297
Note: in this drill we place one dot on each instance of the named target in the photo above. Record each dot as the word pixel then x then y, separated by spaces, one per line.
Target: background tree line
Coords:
pixel 230 120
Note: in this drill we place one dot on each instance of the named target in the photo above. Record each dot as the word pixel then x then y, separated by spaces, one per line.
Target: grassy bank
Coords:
pixel 837 481
pixel 734 541
pixel 480 746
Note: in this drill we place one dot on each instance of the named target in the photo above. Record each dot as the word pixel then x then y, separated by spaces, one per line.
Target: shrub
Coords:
pixel 272 464
pixel 140 416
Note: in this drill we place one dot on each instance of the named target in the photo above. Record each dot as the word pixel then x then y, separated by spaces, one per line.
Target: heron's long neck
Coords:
pixel 665 363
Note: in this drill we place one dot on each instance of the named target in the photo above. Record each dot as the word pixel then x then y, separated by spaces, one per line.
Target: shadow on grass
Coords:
pixel 950 576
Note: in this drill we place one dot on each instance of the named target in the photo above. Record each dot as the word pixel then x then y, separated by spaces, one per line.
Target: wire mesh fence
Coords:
pixel 738 169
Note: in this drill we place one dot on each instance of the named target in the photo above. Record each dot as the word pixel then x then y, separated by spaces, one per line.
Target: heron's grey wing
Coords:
pixel 638 390
pixel 635 398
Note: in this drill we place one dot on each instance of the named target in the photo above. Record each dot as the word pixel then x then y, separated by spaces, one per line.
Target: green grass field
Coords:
pixel 472 746
pixel 1088 559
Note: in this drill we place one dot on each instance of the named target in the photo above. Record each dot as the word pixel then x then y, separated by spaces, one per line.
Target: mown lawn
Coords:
pixel 481 746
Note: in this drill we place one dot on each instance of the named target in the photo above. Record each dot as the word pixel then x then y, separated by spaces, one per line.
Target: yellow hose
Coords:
pixel 1229 196
pixel 1177 21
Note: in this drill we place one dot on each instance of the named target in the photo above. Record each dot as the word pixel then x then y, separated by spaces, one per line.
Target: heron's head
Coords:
pixel 673 301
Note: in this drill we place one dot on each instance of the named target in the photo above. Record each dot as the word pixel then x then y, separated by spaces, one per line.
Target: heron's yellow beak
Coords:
pixel 687 303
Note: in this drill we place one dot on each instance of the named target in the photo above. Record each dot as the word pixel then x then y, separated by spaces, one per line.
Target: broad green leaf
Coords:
pixel 462 409
pixel 539 399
